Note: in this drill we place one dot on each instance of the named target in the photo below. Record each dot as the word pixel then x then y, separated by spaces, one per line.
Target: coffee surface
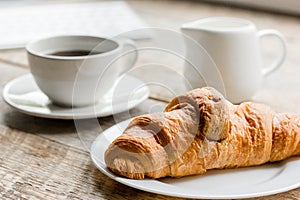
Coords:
pixel 74 53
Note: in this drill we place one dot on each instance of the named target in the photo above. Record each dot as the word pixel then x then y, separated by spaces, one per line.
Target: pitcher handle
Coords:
pixel 278 62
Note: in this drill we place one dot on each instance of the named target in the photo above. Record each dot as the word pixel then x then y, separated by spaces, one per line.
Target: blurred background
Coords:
pixel 24 20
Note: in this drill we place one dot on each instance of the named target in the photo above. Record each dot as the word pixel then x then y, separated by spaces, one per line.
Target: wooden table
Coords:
pixel 45 159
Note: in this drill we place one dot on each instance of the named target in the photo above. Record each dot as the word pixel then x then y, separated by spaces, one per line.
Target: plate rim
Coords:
pixel 73 116
pixel 127 181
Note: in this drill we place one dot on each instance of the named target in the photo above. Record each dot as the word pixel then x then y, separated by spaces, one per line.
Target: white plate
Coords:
pixel 215 184
pixel 134 91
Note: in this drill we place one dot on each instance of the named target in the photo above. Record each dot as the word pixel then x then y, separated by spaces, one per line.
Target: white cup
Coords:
pixel 232 46
pixel 83 79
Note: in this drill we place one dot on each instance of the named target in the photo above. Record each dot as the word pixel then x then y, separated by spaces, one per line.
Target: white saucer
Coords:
pixel 24 95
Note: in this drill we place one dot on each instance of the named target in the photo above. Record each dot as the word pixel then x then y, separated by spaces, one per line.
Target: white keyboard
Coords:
pixel 19 25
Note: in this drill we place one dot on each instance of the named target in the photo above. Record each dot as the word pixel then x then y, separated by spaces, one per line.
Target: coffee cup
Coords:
pixel 79 70
pixel 230 46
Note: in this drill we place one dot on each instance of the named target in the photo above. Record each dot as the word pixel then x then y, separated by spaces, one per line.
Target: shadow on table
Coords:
pixel 26 123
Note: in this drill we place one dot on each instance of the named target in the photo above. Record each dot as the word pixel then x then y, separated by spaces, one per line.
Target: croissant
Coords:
pixel 200 131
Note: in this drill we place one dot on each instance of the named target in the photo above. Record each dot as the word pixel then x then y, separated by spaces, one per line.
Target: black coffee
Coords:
pixel 74 53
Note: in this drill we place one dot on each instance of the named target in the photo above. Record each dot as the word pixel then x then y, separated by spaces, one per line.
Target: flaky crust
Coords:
pixel 199 131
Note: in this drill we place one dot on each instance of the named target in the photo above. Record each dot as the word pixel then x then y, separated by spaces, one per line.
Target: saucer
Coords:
pixel 24 95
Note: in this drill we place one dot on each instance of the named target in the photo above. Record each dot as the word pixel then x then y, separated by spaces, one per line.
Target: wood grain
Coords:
pixel 33 167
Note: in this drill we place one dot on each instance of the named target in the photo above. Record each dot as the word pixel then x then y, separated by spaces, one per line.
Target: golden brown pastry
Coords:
pixel 199 131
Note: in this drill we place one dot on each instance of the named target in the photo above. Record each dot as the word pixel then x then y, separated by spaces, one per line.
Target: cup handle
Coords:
pixel 129 49
pixel 277 63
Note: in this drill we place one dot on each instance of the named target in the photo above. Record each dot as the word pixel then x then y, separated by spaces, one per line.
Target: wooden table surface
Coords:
pixel 45 159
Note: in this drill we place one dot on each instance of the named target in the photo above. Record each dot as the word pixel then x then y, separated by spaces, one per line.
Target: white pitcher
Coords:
pixel 225 53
